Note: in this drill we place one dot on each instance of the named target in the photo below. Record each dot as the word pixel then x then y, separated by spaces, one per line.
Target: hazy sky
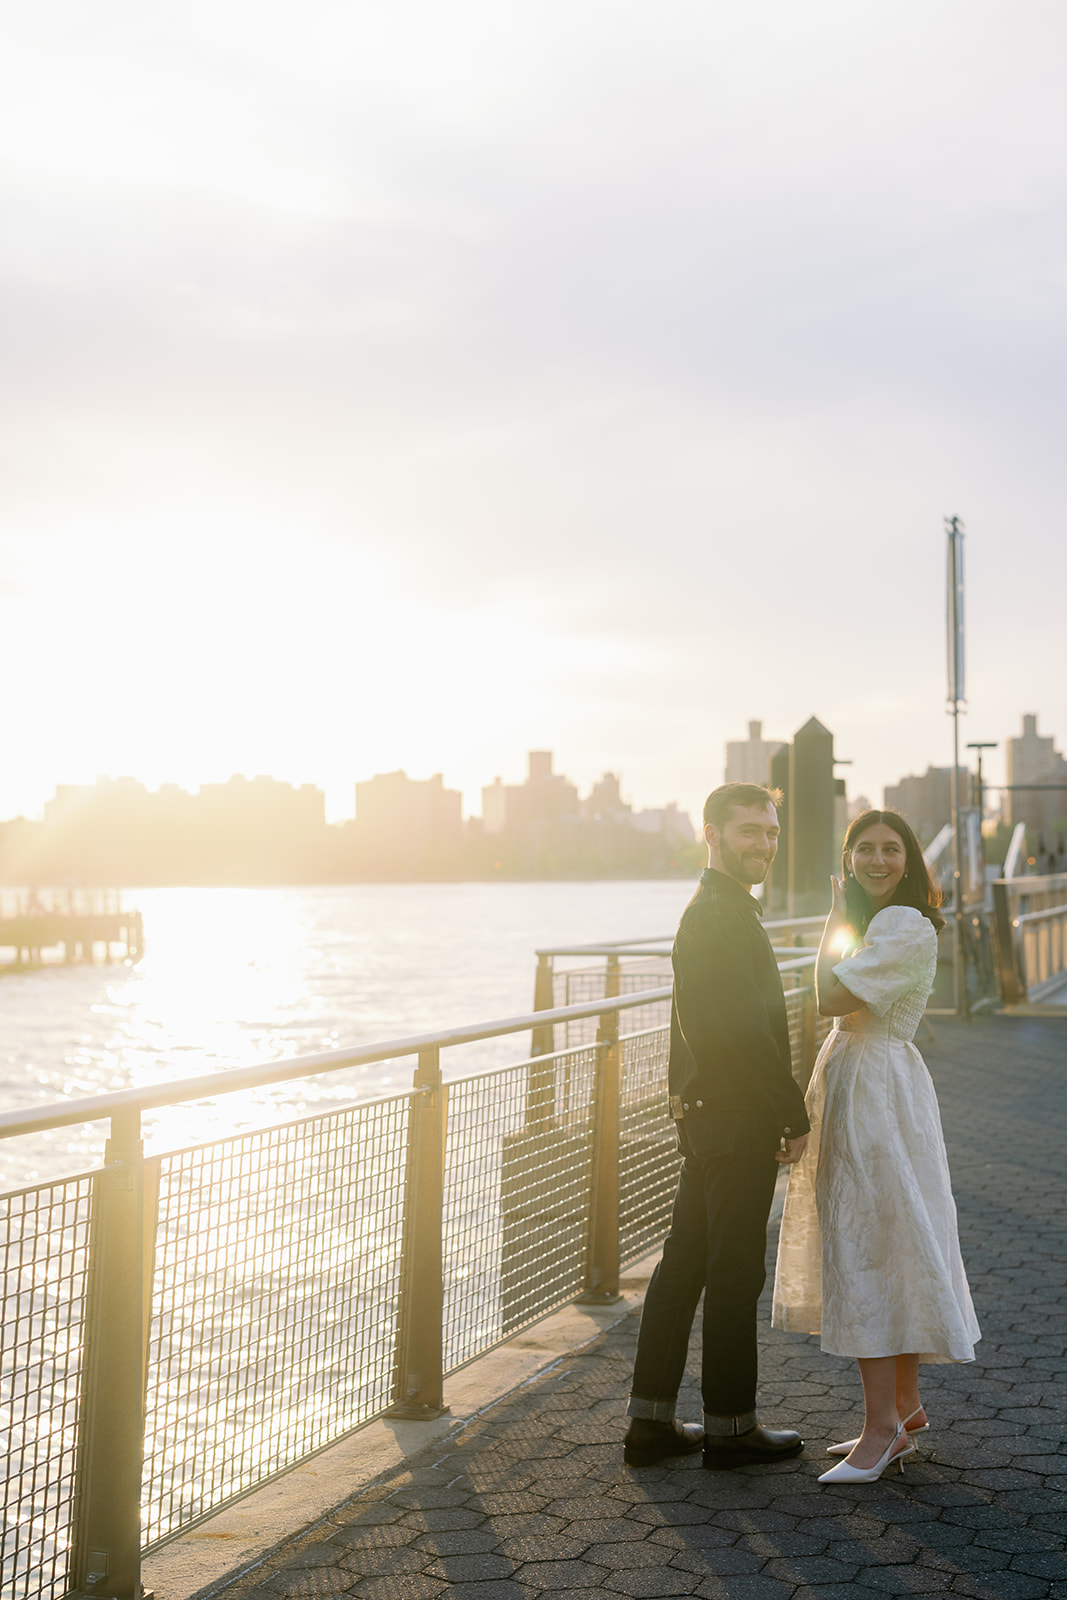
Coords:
pixel 409 384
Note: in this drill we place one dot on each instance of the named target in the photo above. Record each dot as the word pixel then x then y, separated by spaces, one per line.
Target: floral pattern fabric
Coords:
pixel 869 1253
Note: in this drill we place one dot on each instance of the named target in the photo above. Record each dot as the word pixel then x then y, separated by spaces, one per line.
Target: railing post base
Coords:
pixel 405 1411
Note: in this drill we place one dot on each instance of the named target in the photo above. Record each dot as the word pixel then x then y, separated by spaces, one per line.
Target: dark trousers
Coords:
pixel 717 1244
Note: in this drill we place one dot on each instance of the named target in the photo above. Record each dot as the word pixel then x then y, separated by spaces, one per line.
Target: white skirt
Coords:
pixel 869 1251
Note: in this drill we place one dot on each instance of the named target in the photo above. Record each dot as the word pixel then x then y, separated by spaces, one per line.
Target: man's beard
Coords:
pixel 750 870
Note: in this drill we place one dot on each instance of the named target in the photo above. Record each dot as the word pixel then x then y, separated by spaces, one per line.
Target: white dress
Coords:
pixel 869 1252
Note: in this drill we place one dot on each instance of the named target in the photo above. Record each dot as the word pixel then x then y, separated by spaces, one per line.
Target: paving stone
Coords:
pixel 626 1556
pixel 321 1553
pixel 678 1513
pixel 501 1503
pixel 755 1521
pixel 1047 1564
pixel 417 1587
pixel 735 1560
pixel 375 1563
pixel 933 1536
pixel 456 1541
pixel 318 1583
pixel 560 1574
pixel 471 1568
pixel 456 1495
pixel 603 1529
pixel 906 1580
pixel 435 1517
pixel 561 1546
pixel 493 1589
pixel 534 1524
pixel 1014 1540
pixel 812 1570
pixel 1002 1586
pixel 649 1584
pixel 379 1514
pixel 359 1538
pixel 743 1587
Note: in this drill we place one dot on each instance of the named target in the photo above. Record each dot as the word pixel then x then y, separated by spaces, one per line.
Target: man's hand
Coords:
pixel 791 1151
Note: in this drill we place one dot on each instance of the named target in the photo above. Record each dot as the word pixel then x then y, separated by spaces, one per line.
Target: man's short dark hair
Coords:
pixel 721 802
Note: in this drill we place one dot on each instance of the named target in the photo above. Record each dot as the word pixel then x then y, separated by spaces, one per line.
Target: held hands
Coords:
pixel 791 1151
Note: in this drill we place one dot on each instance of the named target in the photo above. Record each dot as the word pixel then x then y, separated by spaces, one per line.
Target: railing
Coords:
pixel 626 966
pixel 1029 917
pixel 180 1329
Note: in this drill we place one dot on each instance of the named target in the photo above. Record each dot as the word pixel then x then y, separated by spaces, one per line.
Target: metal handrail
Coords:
pixel 92 1108
pixel 613 947
pixel 1037 916
pixel 1012 926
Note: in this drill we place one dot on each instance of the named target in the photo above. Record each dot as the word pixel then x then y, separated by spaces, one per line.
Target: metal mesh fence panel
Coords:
pixel 44 1242
pixel 648 1144
pixel 518 1174
pixel 580 984
pixel 277 1278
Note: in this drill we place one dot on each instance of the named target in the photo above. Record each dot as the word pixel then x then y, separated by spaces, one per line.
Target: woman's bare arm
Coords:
pixel 831 996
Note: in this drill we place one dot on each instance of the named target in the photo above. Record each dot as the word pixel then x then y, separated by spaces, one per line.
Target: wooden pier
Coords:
pixel 77 923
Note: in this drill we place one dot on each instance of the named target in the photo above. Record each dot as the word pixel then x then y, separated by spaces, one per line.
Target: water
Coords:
pixel 231 977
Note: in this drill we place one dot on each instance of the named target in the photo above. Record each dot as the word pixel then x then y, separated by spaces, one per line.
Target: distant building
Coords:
pixel 665 820
pixel 494 807
pixel 926 802
pixel 407 827
pixel 1034 759
pixel 749 760
pixel 545 797
pixel 248 830
pixel 605 801
pixel 540 828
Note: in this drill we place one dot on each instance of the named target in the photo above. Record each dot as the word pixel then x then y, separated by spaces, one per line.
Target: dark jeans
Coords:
pixel 717 1243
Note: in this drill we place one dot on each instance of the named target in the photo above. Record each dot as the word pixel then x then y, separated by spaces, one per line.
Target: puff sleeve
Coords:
pixel 900 955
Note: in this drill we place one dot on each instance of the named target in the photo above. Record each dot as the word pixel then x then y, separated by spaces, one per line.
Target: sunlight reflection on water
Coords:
pixel 236 976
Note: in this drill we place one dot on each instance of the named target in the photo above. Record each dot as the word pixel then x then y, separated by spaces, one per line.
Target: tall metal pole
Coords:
pixel 956 693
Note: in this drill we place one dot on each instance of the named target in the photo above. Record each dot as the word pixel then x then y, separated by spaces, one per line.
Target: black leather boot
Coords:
pixel 758 1444
pixel 647 1442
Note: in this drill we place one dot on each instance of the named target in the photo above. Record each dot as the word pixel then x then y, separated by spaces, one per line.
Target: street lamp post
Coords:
pixel 956 694
pixel 980 746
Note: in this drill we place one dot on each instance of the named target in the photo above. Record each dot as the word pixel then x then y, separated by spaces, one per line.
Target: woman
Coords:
pixel 869 1252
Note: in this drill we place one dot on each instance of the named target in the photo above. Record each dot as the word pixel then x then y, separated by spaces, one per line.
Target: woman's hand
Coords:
pixel 839 905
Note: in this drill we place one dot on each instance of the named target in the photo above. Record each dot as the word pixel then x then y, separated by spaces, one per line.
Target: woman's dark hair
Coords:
pixel 916 888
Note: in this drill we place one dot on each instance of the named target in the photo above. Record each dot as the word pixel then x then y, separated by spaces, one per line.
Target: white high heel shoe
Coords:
pixel 850 1444
pixel 844 1473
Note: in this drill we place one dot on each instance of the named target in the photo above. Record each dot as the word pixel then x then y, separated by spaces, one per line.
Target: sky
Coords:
pixel 408 385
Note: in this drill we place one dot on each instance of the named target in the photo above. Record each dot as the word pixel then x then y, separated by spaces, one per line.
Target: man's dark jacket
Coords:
pixel 729 1032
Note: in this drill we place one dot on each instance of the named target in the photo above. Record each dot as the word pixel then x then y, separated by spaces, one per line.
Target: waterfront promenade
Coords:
pixel 531 1499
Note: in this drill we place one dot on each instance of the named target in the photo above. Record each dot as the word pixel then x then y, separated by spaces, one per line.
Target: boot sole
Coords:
pixel 720 1460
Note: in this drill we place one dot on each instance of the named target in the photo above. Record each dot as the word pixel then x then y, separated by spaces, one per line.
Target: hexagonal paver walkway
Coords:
pixel 532 1499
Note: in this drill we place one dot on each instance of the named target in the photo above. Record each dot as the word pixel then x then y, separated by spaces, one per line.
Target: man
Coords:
pixel 739 1113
